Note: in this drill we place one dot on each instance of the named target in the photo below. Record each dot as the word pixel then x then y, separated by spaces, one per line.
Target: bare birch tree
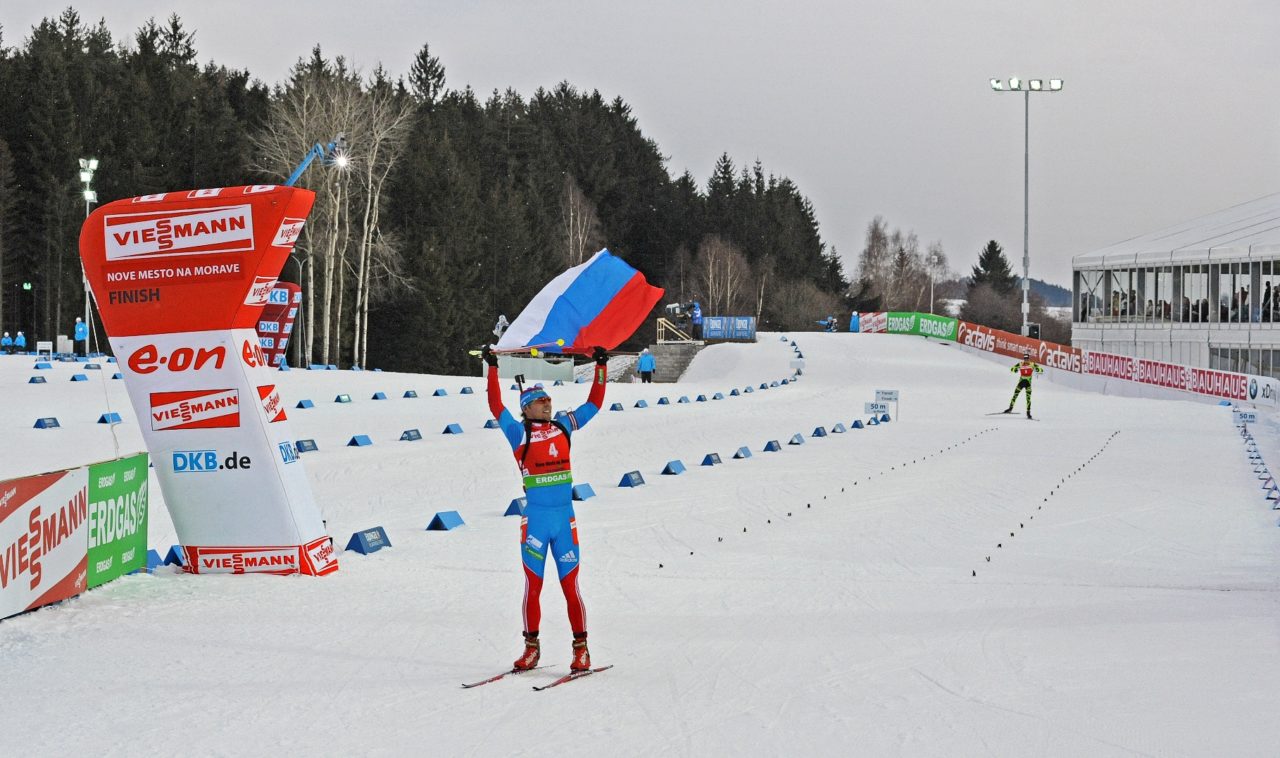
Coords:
pixel 321 100
pixel 582 233
pixel 311 108
pixel 384 275
pixel 764 280
pixel 386 117
pixel 723 273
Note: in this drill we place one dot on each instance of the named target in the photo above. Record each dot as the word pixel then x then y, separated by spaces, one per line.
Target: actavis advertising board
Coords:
pixel 194 368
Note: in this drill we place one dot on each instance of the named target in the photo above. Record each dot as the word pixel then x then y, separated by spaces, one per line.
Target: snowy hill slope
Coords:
pixel 818 599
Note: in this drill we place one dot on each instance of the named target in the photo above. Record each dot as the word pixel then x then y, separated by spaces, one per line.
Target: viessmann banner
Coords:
pixel 43 539
pixel 873 322
pixel 68 531
pixel 181 279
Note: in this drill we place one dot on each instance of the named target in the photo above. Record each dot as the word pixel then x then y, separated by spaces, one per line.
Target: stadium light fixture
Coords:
pixel 1032 85
pixel 88 166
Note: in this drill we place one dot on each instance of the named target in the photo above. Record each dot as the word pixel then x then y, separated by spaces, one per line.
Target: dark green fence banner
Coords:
pixel 921 324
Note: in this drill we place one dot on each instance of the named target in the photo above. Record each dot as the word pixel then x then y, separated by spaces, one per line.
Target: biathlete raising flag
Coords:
pixel 590 308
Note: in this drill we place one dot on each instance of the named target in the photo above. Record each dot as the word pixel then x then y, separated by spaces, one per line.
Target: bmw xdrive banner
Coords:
pixel 181 279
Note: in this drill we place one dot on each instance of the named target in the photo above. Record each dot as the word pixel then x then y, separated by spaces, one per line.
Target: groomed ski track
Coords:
pixel 817 600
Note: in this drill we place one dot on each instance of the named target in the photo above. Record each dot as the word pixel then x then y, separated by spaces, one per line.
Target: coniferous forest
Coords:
pixel 450 206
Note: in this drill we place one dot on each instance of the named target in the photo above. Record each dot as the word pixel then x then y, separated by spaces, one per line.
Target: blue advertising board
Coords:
pixel 729 328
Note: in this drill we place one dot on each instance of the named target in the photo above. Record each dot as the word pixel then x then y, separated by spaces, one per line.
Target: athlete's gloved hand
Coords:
pixel 488 356
pixel 600 356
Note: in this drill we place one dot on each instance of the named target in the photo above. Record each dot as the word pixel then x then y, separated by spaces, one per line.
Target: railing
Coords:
pixel 669 332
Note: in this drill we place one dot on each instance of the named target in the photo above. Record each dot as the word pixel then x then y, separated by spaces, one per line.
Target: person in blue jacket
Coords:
pixel 82 335
pixel 540 444
pixel 646 366
pixel 695 315
pixel 6 344
pixel 20 343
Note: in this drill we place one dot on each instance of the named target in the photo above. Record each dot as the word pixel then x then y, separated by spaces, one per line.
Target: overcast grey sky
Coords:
pixel 1170 108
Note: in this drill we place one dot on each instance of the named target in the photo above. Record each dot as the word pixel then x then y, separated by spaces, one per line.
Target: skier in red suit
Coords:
pixel 540 444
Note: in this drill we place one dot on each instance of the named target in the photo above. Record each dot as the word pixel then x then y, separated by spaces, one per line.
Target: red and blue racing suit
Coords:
pixel 549 524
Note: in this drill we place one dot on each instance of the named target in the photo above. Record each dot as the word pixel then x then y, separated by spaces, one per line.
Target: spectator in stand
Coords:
pixel 6 344
pixel 646 366
pixel 1186 309
pixel 82 335
pixel 1115 304
pixel 1266 302
pixel 20 343
pixel 1204 309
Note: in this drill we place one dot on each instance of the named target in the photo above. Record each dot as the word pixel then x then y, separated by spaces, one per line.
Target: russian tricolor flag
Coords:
pixel 600 302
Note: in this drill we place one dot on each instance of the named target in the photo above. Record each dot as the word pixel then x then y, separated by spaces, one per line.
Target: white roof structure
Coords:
pixel 1248 231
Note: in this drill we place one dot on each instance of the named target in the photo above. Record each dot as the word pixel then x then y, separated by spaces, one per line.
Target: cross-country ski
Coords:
pixel 572 676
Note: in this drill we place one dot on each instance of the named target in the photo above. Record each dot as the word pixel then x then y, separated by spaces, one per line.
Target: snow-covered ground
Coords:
pixel 1105 581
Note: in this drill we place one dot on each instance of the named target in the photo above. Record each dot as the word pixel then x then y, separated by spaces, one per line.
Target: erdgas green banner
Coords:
pixel 921 324
pixel 117 518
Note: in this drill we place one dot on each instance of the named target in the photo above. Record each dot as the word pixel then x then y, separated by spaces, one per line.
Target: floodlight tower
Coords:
pixel 87 167
pixel 1026 87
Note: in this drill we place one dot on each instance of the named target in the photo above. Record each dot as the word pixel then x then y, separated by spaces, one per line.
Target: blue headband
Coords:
pixel 531 394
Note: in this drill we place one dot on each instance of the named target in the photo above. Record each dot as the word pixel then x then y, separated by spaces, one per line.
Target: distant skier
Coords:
pixel 646 366
pixel 1026 368
pixel 541 447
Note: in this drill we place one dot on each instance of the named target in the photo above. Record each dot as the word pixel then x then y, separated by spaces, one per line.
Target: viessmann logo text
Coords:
pixel 192 232
pixel 195 409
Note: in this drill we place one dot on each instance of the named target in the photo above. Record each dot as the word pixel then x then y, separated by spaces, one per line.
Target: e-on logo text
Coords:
pixel 147 359
pixel 205 461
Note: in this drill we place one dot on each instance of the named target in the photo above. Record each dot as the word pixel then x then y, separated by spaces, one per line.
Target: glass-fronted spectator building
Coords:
pixel 1202 293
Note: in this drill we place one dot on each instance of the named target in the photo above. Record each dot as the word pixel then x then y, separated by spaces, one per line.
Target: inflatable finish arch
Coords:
pixel 180 279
